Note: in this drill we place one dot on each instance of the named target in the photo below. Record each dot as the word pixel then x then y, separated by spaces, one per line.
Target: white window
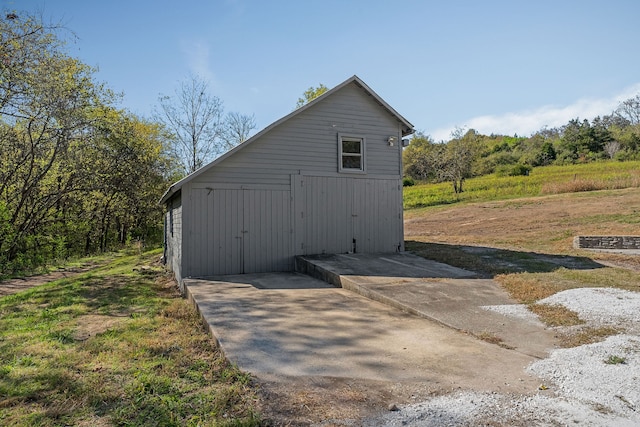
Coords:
pixel 351 153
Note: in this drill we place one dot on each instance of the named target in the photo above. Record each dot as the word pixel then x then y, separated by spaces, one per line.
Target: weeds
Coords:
pixel 587 335
pixel 493 339
pixel 556 315
pixel 615 360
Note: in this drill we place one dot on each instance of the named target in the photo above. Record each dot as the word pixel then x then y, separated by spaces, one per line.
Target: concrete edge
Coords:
pixel 379 297
pixel 307 267
pixel 209 329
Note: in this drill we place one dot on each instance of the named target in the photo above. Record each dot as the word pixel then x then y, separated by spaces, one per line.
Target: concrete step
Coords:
pixel 451 296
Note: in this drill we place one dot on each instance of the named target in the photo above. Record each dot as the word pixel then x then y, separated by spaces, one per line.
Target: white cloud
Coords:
pixel 198 59
pixel 525 123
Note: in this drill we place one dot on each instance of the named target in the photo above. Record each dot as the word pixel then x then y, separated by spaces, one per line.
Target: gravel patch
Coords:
pixel 591 385
pixel 604 374
pixel 519 311
pixel 602 306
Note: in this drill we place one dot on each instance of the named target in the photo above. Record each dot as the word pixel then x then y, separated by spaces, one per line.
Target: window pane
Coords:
pixel 351 147
pixel 351 162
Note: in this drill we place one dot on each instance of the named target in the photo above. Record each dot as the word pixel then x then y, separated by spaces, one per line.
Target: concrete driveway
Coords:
pixel 289 324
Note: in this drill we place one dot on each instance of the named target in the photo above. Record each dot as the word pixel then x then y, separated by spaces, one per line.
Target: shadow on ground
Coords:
pixel 491 261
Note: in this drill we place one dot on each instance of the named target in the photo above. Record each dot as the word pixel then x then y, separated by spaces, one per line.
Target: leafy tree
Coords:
pixel 134 174
pixel 311 94
pixel 46 100
pixel 452 161
pixel 456 161
pixel 417 157
pixel 76 175
pixel 547 154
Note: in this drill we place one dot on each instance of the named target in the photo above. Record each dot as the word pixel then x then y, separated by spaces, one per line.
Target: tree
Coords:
pixel 76 175
pixel 196 121
pixel 456 161
pixel 611 148
pixel 452 161
pixel 133 172
pixel 417 157
pixel 630 110
pixel 311 94
pixel 46 100
pixel 238 127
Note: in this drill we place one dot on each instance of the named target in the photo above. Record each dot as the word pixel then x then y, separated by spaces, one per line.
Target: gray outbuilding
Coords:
pixel 326 178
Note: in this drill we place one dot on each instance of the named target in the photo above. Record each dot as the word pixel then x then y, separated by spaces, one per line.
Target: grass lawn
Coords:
pixel 115 346
pixel 546 180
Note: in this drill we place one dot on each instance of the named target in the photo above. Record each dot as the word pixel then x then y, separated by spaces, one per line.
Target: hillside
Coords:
pixel 541 181
pixel 545 223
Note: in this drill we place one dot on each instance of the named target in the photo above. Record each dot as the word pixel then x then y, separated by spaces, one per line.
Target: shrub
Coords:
pixel 408 181
pixel 491 163
pixel 513 170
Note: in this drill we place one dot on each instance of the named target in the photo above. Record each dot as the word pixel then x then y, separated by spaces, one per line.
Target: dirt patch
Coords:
pixel 545 224
pixel 326 401
pixel 12 286
pixel 91 325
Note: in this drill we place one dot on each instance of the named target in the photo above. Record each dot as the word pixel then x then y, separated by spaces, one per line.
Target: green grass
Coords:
pixel 542 180
pixel 115 346
pixel 615 360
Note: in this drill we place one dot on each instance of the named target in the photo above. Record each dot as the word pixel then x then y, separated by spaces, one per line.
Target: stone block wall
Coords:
pixel 607 242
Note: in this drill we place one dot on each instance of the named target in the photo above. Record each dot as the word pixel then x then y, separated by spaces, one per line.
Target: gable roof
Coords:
pixel 407 129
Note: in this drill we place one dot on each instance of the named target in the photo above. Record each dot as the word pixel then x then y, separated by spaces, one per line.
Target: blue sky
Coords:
pixel 495 66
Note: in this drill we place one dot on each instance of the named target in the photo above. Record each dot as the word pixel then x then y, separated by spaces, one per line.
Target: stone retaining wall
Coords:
pixel 607 242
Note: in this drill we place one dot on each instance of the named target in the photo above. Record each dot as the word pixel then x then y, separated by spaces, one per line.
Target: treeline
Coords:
pixel 77 175
pixel 468 153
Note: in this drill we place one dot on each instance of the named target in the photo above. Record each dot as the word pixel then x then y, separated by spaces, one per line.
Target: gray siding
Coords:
pixel 281 195
pixel 173 236
pixel 236 231
pixel 339 215
pixel 307 143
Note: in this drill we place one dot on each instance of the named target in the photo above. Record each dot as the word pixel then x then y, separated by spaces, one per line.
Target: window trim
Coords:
pixel 363 144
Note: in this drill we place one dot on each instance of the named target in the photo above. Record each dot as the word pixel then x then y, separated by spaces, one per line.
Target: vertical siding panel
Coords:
pixel 210 229
pixel 251 231
pixel 314 193
pixel 346 226
pixel 297 212
pixel 197 224
pixel 216 213
pixel 283 234
pixel 281 211
pixel 325 204
pixel 371 205
pixel 331 215
pixel 237 261
pixel 231 229
pixel 265 255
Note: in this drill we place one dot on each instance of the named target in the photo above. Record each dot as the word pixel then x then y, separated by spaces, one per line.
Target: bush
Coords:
pixel 626 155
pixel 493 162
pixel 513 170
pixel 408 181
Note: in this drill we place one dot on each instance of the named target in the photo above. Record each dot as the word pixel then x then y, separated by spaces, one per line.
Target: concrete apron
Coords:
pixel 289 324
pixel 451 296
